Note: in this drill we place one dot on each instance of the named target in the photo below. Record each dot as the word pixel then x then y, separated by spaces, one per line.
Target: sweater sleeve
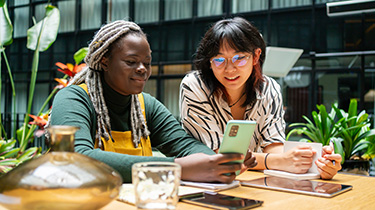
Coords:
pixel 72 106
pixel 167 135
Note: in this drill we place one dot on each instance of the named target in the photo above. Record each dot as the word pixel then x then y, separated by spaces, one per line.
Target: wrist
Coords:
pixel 274 161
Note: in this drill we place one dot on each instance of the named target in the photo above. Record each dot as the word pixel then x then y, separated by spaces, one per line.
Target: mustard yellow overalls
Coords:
pixel 122 140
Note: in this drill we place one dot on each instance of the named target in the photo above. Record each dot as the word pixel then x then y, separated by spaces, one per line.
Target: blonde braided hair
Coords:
pixel 104 39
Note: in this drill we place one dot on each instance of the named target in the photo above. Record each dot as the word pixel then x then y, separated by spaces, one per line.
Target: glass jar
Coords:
pixel 60 179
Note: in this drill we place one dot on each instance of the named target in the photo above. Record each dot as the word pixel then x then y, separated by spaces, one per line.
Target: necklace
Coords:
pixel 230 105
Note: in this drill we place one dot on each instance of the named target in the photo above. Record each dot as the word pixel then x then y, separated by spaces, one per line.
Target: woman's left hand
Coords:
pixel 329 163
pixel 249 162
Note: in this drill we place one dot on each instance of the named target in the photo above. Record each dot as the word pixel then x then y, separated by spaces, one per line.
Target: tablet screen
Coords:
pixel 308 187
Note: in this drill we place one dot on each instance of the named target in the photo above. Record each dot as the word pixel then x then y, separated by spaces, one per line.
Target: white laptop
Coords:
pixel 279 60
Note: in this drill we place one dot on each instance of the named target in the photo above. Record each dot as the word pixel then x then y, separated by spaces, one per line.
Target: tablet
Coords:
pixel 307 187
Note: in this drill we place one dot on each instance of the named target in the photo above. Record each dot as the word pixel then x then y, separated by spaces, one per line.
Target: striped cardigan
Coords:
pixel 205 116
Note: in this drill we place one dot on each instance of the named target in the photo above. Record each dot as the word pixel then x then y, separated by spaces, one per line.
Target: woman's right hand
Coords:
pixel 297 160
pixel 209 168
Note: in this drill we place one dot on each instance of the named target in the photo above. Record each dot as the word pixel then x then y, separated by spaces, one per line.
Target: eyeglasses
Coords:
pixel 237 60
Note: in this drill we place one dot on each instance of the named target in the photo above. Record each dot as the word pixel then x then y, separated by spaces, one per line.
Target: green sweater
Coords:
pixel 72 106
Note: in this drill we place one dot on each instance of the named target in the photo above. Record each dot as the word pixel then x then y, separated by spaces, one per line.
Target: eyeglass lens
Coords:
pixel 237 60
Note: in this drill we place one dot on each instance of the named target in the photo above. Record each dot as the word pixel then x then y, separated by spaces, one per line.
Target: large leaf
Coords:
pixel 2 2
pixel 6 28
pixel 47 28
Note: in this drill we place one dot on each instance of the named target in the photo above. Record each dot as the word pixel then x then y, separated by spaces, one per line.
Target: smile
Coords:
pixel 232 78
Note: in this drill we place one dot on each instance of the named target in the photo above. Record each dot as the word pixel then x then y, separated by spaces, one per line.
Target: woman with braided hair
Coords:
pixel 106 102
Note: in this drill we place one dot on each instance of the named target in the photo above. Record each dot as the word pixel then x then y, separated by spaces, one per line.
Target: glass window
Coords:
pixel 325 1
pixel 118 10
pixel 290 3
pixel 210 7
pixel 177 69
pixel 150 87
pixel 146 11
pixel 338 87
pixel 178 9
pixel 176 42
pixel 369 32
pixel 21 95
pixel 153 38
pixel 67 15
pixel 345 62
pixel 21 21
pixel 370 93
pixel 291 32
pixel 40 11
pixel 91 14
pixel 296 98
pixel 248 6
pixel 370 61
pixel 151 84
pixel 20 2
pixel 171 95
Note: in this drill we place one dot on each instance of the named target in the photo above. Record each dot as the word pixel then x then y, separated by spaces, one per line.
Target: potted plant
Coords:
pixel 349 131
pixel 355 138
pixel 39 38
pixel 321 130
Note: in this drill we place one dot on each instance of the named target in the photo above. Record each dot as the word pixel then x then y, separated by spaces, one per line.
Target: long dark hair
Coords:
pixel 242 36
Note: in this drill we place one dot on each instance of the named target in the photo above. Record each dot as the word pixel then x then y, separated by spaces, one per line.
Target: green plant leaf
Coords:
pixel 352 112
pixel 29 153
pixel 80 55
pixel 47 28
pixel 5 146
pixel 359 147
pixel 6 28
pixel 337 144
pixel 2 2
pixel 9 162
pixel 11 153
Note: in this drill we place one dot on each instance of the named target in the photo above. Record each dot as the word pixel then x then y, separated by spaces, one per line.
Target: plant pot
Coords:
pixel 356 167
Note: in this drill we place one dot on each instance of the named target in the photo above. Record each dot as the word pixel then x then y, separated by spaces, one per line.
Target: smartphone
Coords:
pixel 220 201
pixel 237 138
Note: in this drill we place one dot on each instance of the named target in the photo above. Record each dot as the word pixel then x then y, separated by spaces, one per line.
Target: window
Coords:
pixel 290 3
pixel 210 7
pixel 118 10
pixel 248 6
pixel 146 11
pixel 178 9
pixel 91 17
pixel 67 15
pixel 21 21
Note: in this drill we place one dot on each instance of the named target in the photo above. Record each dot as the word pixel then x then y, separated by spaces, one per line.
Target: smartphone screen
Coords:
pixel 220 201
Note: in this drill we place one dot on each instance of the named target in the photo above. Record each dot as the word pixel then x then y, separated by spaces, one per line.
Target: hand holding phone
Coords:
pixel 237 138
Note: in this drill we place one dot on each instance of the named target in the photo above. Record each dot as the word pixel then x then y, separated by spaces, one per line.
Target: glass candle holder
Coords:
pixel 156 184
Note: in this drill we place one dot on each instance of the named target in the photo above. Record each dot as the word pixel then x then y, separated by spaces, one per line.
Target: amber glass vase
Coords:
pixel 60 179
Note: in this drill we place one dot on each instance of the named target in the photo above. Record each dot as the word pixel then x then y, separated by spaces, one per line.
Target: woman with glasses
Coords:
pixel 228 84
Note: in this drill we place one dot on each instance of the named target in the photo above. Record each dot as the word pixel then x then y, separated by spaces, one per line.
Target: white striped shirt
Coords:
pixel 205 117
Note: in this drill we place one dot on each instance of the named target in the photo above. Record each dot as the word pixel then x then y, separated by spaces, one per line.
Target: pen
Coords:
pixel 333 150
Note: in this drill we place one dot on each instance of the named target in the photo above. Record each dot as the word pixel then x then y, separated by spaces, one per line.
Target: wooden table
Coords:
pixel 362 196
